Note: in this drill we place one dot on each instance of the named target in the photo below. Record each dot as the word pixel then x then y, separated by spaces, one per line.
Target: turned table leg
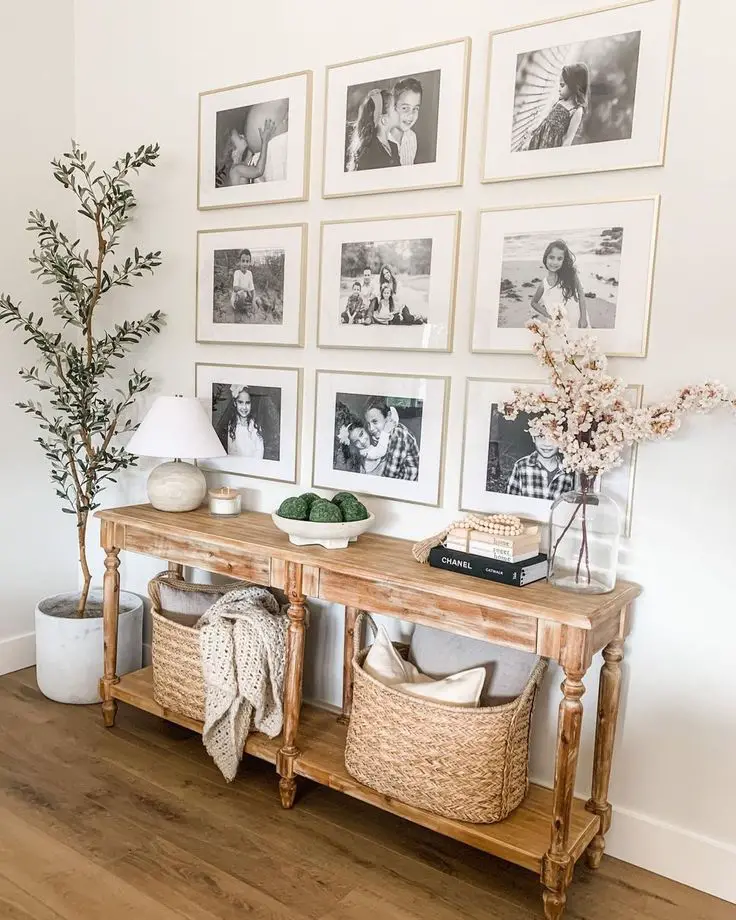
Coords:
pixel 557 864
pixel 351 615
pixel 110 612
pixel 609 697
pixel 292 683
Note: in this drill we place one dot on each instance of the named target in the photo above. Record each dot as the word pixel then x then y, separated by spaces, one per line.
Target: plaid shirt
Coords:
pixel 531 479
pixel 402 456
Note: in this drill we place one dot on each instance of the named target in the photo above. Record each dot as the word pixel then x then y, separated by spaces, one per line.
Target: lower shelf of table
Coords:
pixel 522 838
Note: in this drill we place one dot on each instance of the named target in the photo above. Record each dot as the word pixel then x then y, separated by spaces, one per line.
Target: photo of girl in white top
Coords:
pixel 560 288
pixel 239 431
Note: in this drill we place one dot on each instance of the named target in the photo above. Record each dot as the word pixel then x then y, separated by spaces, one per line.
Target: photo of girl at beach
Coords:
pixel 576 270
pixel 253 142
pixel 254 411
pixel 385 283
pixel 587 92
pixel 392 122
pixel 248 286
pixel 577 93
pixel 396 121
pixel 592 262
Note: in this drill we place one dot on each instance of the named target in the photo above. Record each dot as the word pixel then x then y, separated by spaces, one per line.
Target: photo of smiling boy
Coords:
pixel 540 474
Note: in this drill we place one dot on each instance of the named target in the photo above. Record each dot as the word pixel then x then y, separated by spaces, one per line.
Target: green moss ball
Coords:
pixel 324 512
pixel 354 511
pixel 310 498
pixel 341 497
pixel 295 508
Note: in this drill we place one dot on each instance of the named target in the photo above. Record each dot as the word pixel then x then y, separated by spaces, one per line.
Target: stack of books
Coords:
pixel 510 560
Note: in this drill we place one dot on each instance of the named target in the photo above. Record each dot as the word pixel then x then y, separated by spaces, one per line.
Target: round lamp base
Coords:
pixel 176 486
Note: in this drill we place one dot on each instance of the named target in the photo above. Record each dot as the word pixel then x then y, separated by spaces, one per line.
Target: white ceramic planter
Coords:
pixel 69 651
pixel 331 536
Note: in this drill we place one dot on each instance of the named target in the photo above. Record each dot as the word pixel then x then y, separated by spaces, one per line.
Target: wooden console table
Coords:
pixel 552 829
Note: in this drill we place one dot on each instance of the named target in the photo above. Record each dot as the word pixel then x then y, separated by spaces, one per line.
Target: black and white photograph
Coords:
pixel 582 93
pixel 591 262
pixel 253 142
pixel 392 122
pixel 250 284
pixel 254 411
pixel 506 470
pixel 388 283
pixel 247 420
pixel 396 120
pixel 380 434
pixel 577 271
pixel 579 93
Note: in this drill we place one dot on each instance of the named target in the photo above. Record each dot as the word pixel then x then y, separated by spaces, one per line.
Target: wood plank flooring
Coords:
pixel 137 823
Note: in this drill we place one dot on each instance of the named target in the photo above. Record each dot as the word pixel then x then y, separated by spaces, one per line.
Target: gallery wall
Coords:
pixel 37 543
pixel 673 768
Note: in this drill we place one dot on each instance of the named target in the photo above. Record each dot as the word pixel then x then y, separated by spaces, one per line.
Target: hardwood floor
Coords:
pixel 136 822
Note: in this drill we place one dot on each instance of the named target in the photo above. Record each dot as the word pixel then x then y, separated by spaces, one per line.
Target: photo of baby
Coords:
pixel 378 435
pixel 248 286
pixel 392 122
pixel 576 270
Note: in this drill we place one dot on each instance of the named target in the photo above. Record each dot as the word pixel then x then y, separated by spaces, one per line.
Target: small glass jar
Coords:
pixel 584 534
pixel 224 502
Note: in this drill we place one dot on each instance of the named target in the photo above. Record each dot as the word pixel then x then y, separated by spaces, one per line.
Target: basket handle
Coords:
pixel 363 617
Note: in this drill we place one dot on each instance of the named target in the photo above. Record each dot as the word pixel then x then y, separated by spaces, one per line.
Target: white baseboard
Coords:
pixel 674 852
pixel 17 653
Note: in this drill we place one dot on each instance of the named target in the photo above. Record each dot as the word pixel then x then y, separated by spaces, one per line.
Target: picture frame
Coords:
pixel 588 92
pixel 251 284
pixel 396 121
pixel 380 434
pixel 412 260
pixel 256 412
pixel 236 123
pixel 485 467
pixel 605 254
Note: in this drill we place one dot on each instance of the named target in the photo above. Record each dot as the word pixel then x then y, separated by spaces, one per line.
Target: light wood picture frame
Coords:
pixel 588 92
pixel 251 285
pixel 396 121
pixel 254 142
pixel 389 283
pixel 380 434
pixel 256 412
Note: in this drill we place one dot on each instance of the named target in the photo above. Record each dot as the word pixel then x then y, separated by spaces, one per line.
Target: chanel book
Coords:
pixel 508 573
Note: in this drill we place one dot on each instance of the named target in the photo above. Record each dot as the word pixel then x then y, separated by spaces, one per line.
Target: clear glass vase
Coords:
pixel 584 534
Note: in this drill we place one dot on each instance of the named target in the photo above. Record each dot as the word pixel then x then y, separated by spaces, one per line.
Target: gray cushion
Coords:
pixel 439 654
pixel 186 607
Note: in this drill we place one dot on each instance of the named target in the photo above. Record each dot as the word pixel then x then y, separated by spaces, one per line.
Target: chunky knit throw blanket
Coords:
pixel 243 650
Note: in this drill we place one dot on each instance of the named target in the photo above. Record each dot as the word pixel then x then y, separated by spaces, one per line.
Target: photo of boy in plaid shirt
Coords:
pixel 540 474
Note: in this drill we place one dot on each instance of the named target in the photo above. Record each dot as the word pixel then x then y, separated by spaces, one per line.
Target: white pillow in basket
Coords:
pixel 385 664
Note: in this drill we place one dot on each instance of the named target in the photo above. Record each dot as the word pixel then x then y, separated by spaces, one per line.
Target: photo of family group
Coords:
pixel 385 283
pixel 392 122
pixel 252 143
pixel 396 121
pixel 577 93
pixel 247 420
pixel 577 270
pixel 378 435
pixel 254 411
pixel 581 93
pixel 248 286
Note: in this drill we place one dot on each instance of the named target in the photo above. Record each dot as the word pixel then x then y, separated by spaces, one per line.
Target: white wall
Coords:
pixel 37 541
pixel 672 783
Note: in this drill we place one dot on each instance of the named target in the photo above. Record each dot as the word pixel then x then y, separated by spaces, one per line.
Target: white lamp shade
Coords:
pixel 176 426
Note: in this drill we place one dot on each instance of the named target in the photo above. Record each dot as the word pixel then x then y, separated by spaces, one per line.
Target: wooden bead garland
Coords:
pixel 501 525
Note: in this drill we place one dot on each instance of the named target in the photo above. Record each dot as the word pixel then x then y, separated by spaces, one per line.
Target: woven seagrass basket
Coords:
pixel 178 684
pixel 461 763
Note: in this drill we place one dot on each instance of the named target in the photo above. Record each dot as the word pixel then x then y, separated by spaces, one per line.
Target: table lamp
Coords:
pixel 176 426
